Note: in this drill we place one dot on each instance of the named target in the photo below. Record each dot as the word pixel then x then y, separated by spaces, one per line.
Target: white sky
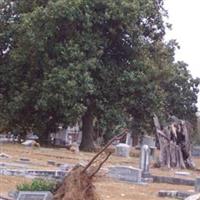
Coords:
pixel 184 15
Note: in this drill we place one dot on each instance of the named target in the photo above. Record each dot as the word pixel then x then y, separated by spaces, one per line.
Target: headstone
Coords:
pixel 182 173
pixel 126 173
pixel 4 156
pixel 145 161
pixel 147 140
pixel 197 184
pixel 193 197
pixel 24 159
pixel 196 151
pixel 28 143
pixel 32 136
pixel 174 194
pixel 51 162
pixel 129 140
pixel 35 196
pixel 122 150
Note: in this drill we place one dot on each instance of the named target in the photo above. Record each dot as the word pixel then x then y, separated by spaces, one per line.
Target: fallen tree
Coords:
pixel 174 142
pixel 78 184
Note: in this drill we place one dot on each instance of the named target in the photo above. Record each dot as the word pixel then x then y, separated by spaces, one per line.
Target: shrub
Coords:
pixel 38 185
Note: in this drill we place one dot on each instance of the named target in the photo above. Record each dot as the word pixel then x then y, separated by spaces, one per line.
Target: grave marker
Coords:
pixel 126 173
pixel 122 150
pixel 145 161
pixel 129 139
pixel 197 184
pixel 35 196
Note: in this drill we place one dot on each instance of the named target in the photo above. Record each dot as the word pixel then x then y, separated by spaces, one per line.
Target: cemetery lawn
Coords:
pixel 107 188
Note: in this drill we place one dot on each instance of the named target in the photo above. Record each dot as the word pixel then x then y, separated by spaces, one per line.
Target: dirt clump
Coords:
pixel 77 186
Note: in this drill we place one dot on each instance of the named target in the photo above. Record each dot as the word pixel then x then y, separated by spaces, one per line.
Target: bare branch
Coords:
pixel 118 137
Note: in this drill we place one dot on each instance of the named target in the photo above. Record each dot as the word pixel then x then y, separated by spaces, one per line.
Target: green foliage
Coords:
pixel 37 185
pixel 106 59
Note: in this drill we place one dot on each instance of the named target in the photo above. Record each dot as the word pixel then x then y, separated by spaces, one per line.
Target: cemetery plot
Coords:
pixel 108 188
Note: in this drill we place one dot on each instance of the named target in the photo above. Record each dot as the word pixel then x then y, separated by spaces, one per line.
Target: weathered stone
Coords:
pixel 197 184
pixel 51 162
pixel 35 196
pixel 122 150
pixel 174 194
pixel 4 156
pixel 182 173
pixel 28 143
pixel 24 159
pixel 65 167
pixel 145 161
pixel 196 151
pixel 126 173
pixel 129 139
pixel 147 140
pixel 194 197
pixel 173 180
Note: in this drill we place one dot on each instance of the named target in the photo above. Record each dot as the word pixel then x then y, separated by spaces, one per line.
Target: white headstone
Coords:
pixel 145 160
pixel 129 139
pixel 28 143
pixel 122 150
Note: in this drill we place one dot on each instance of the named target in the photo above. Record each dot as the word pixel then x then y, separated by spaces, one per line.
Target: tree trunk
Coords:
pixel 87 143
pixel 44 137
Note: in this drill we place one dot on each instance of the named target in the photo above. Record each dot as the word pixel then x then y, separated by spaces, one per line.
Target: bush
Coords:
pixel 38 185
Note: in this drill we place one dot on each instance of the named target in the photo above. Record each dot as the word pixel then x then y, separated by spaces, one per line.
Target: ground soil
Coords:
pixel 107 188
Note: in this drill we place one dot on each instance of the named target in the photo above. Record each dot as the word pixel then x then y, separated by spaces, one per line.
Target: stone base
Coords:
pixel 174 194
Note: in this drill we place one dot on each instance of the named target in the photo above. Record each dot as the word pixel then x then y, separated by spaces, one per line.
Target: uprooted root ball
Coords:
pixel 77 186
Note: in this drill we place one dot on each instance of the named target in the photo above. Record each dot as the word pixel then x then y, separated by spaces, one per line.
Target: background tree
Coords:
pixel 73 60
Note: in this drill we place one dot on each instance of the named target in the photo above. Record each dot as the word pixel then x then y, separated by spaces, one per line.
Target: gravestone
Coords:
pixel 125 173
pixel 193 197
pixel 35 196
pixel 150 141
pixel 182 173
pixel 51 162
pixel 24 159
pixel 197 184
pixel 28 143
pixel 147 140
pixel 196 151
pixel 145 161
pixel 65 167
pixel 129 139
pixel 4 156
pixel 122 150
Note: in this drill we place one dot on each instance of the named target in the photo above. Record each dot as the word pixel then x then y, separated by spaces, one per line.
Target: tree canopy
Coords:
pixel 64 61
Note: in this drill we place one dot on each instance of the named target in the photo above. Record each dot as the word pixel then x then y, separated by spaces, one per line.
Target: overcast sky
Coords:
pixel 184 15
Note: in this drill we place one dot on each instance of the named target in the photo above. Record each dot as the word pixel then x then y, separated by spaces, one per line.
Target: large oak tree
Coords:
pixel 80 60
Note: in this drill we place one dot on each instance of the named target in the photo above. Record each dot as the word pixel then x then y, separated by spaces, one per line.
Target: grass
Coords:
pixel 109 189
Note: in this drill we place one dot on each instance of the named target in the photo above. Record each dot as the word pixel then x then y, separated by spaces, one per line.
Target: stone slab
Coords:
pixel 194 197
pixel 174 194
pixel 33 173
pixel 147 140
pixel 51 162
pixel 126 173
pixel 173 180
pixel 197 184
pixel 196 151
pixel 35 196
pixel 182 173
pixel 4 156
